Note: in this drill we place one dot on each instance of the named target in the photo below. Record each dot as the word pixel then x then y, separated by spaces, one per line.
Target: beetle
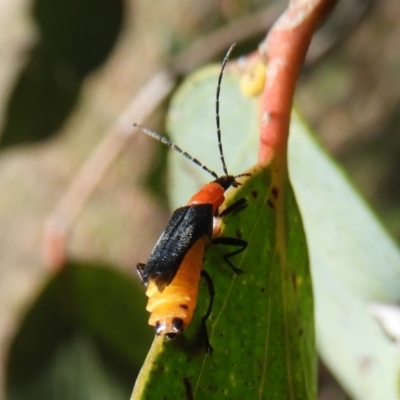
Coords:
pixel 173 271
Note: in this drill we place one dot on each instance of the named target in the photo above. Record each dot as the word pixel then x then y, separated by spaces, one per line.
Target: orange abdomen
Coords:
pixel 179 298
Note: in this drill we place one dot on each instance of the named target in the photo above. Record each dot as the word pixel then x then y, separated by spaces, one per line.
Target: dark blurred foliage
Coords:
pixel 75 37
pixel 80 337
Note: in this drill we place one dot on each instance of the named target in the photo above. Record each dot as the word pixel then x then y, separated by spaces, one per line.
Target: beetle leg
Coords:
pixel 210 287
pixel 235 208
pixel 139 268
pixel 230 241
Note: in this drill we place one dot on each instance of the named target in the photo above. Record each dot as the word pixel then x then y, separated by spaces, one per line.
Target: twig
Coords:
pixel 348 16
pixel 93 170
pixel 211 45
pixel 285 49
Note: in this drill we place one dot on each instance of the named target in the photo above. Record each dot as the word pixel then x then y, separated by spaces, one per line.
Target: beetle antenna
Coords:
pixel 167 142
pixel 221 152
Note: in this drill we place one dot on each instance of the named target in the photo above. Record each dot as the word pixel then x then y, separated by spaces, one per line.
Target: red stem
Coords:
pixel 285 49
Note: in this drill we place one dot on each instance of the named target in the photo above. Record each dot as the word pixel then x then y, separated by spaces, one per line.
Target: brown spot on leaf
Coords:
pixel 365 364
pixel 275 192
pixel 294 281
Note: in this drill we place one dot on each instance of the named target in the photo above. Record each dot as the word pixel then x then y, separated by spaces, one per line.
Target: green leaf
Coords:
pixel 83 338
pixel 261 325
pixel 354 263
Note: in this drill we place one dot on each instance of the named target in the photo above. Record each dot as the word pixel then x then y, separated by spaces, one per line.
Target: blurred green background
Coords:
pixel 67 71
